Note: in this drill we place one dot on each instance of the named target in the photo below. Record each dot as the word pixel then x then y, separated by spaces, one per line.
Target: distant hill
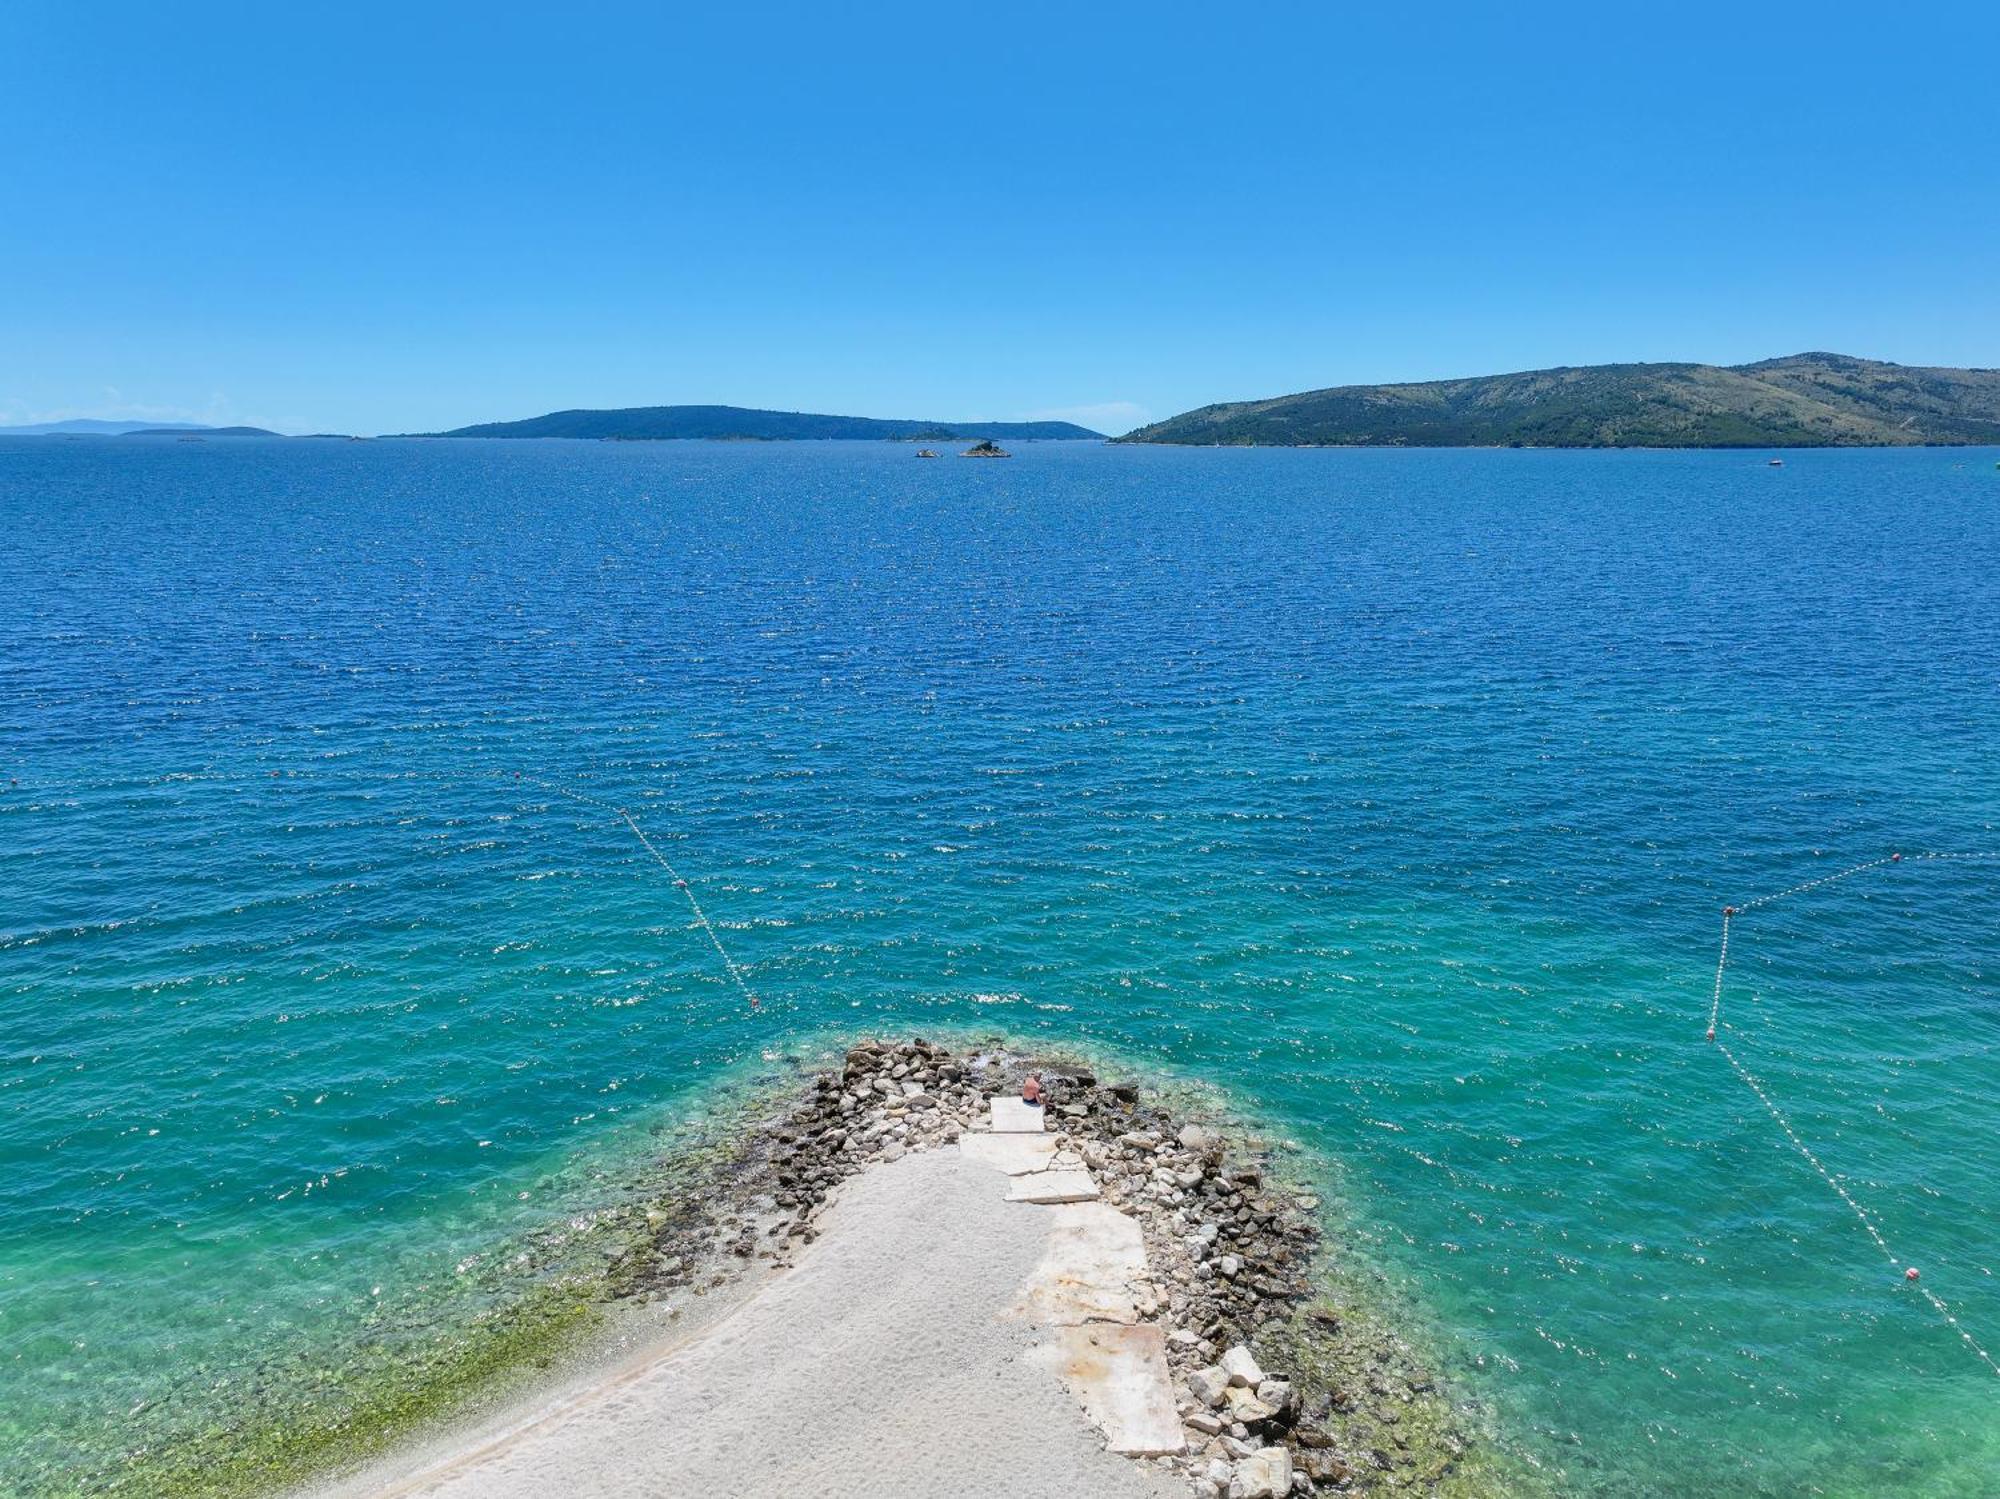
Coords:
pixel 202 432
pixel 1806 400
pixel 85 426
pixel 659 422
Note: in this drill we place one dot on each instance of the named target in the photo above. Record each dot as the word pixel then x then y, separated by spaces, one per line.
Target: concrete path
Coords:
pixel 1086 1288
pixel 1119 1376
pixel 1090 1270
pixel 1013 1116
pixel 1053 1187
pixel 1013 1154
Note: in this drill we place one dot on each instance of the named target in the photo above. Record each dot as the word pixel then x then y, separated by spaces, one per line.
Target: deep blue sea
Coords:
pixel 1397 793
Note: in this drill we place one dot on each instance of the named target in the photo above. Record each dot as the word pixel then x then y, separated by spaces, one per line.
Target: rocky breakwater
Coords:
pixel 1279 1388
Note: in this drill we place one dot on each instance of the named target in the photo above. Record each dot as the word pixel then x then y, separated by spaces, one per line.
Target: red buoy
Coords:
pixel 1711 1033
pixel 1729 910
pixel 1911 1273
pixel 1895 858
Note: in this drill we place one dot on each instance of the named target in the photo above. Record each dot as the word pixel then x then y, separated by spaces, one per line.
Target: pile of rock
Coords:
pixel 1256 1447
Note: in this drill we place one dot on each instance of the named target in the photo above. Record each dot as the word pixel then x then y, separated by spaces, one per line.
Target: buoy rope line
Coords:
pixel 619 813
pixel 1866 1219
pixel 701 916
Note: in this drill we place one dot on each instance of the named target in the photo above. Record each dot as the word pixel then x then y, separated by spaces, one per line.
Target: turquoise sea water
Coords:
pixel 1396 792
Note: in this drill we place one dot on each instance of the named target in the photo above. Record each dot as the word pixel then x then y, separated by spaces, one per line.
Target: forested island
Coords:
pixel 1804 400
pixel 657 423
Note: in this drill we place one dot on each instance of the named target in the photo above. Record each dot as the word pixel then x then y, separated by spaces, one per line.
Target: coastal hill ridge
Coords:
pixel 1803 400
pixel 650 423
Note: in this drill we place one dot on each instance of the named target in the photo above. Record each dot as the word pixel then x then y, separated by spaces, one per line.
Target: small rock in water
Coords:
pixel 1194 1137
pixel 1324 1467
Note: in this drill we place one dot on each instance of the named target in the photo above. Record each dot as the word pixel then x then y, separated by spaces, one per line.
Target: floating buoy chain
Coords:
pixel 558 789
pixel 701 916
pixel 735 973
pixel 1750 1081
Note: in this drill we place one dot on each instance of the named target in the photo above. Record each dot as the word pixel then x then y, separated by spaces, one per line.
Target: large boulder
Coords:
pixel 1277 1393
pixel 1247 1408
pixel 1208 1386
pixel 1242 1368
pixel 1266 1474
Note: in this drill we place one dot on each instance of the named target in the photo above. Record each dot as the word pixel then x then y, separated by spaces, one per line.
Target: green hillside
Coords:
pixel 1806 400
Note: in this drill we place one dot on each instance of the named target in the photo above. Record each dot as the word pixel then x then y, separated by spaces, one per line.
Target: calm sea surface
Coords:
pixel 1395 792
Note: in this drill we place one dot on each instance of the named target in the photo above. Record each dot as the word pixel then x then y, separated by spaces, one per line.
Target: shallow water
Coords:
pixel 1397 792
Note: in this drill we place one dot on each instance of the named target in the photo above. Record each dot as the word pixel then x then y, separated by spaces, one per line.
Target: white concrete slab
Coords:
pixel 1119 1376
pixel 1011 1116
pixel 1013 1154
pixel 1095 1256
pixel 1052 1187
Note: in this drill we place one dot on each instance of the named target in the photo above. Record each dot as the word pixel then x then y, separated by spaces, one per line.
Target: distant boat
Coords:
pixel 1777 463
pixel 925 453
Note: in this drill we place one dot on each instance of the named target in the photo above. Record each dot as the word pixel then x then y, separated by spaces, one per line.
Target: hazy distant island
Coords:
pixel 90 426
pixel 659 423
pixel 202 432
pixel 94 427
pixel 1802 401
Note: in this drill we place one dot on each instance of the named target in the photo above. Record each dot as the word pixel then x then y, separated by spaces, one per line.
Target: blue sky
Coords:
pixel 374 218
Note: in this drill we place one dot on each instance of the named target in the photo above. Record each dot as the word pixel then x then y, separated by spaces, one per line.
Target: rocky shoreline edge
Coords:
pixel 1280 1388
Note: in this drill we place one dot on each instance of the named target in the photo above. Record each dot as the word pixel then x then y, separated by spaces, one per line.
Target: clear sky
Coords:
pixel 363 217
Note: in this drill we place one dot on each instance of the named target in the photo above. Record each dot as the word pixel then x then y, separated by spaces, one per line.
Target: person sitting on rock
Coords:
pixel 1031 1091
